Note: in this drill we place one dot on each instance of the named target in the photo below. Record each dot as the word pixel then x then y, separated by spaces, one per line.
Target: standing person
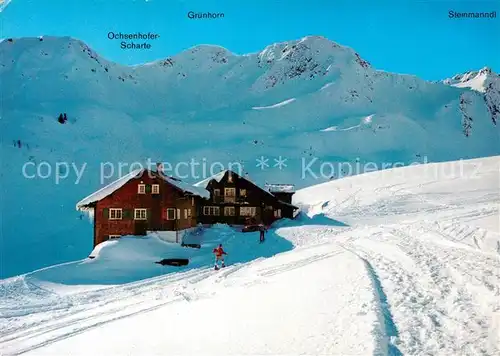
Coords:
pixel 262 231
pixel 219 256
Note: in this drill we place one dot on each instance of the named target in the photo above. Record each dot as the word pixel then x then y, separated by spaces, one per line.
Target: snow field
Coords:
pixel 271 306
pixel 408 264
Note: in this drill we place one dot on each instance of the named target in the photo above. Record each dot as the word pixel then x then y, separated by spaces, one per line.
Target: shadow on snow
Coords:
pixel 303 219
pixel 132 258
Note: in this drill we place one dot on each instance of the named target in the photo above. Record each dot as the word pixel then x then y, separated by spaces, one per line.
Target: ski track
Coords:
pixel 297 264
pixel 419 289
pixel 429 301
pixel 426 298
pixel 76 328
pixel 98 300
pixel 388 330
pixel 98 307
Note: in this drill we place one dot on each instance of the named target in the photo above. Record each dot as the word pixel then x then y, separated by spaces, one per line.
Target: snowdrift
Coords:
pixel 132 258
pixel 403 194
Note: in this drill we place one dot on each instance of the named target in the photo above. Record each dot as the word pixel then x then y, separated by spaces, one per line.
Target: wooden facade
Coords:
pixel 235 200
pixel 145 203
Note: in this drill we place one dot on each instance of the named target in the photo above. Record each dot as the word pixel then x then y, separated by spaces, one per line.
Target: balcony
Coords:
pixel 230 199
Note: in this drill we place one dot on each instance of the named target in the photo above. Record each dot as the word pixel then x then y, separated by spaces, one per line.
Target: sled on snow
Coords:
pixel 173 262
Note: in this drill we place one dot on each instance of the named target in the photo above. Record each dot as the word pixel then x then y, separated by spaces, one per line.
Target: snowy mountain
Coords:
pixel 484 81
pixel 477 80
pixel 401 261
pixel 310 101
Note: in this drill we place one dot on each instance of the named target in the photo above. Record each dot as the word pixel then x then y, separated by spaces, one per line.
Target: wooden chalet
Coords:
pixel 284 193
pixel 142 201
pixel 147 200
pixel 236 200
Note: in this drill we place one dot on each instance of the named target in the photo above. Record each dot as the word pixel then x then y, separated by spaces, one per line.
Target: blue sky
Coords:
pixel 414 37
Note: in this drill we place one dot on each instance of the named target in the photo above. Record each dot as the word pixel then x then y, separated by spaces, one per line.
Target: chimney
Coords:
pixel 159 168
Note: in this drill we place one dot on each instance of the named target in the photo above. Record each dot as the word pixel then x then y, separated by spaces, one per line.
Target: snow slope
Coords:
pixel 404 261
pixel 221 311
pixel 200 104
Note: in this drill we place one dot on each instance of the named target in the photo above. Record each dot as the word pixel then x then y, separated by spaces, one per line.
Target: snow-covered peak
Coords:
pixel 26 57
pixel 47 44
pixel 484 81
pixel 218 54
pixel 477 80
pixel 308 48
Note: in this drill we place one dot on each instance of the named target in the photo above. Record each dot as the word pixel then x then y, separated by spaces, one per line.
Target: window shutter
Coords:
pixel 148 188
pixel 105 213
pixel 127 213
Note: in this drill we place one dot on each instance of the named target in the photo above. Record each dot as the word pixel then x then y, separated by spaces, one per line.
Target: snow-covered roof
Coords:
pixel 117 184
pixel 288 204
pixel 218 177
pixel 199 191
pixel 204 183
pixel 281 188
pixel 107 190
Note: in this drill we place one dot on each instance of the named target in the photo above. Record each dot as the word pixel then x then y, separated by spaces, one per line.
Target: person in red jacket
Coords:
pixel 219 256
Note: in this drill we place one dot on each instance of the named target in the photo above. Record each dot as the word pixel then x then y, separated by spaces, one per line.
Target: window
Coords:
pixel 114 236
pixel 140 214
pixel 170 214
pixel 211 210
pixel 155 189
pixel 189 212
pixel 269 207
pixel 178 216
pixel 141 189
pixel 185 213
pixel 229 177
pixel 277 213
pixel 243 192
pixel 216 196
pixel 229 211
pixel 248 211
pixel 115 214
pixel 229 195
